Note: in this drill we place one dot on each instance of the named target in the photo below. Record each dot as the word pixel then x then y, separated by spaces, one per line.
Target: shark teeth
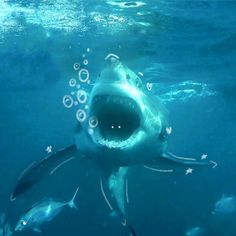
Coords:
pixel 115 100
pixel 116 144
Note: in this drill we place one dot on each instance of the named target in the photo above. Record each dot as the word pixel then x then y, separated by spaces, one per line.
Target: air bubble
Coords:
pixel 67 101
pixel 91 131
pixel 82 96
pixel 72 82
pixel 83 75
pixel 81 115
pixel 85 62
pixel 93 122
pixel 76 66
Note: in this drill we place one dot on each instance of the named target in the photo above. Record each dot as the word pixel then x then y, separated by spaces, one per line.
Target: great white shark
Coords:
pixel 131 129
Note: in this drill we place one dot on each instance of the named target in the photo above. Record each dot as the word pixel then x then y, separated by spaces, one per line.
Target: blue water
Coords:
pixel 185 49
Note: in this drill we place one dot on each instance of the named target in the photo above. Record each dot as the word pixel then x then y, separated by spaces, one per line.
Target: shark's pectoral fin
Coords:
pixel 171 160
pixel 115 192
pixel 34 173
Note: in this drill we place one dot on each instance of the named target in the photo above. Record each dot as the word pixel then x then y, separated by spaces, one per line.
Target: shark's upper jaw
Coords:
pixel 118 120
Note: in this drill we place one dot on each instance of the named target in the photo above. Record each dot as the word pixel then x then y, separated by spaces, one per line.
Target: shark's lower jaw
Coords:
pixel 118 120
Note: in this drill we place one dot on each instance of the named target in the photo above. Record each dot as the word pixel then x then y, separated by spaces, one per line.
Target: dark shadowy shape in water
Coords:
pixel 38 70
pixel 27 58
pixel 226 205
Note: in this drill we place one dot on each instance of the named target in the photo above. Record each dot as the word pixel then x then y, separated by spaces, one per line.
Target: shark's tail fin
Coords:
pixel 71 203
pixel 131 230
pixel 129 227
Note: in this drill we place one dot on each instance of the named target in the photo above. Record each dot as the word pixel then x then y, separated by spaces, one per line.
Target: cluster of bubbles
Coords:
pixel 80 96
pixel 128 4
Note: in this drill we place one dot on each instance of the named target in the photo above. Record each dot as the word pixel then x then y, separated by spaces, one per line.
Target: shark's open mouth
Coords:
pixel 118 119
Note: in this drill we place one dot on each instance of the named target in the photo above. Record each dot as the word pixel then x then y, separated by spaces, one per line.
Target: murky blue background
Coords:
pixel 187 49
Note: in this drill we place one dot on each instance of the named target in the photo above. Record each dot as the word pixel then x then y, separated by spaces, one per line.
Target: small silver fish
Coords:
pixel 42 212
pixel 196 231
pixel 226 205
pixel 5 228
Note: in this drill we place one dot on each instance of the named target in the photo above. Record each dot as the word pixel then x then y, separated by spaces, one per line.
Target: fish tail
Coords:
pixel 129 227
pixel 131 230
pixel 71 203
